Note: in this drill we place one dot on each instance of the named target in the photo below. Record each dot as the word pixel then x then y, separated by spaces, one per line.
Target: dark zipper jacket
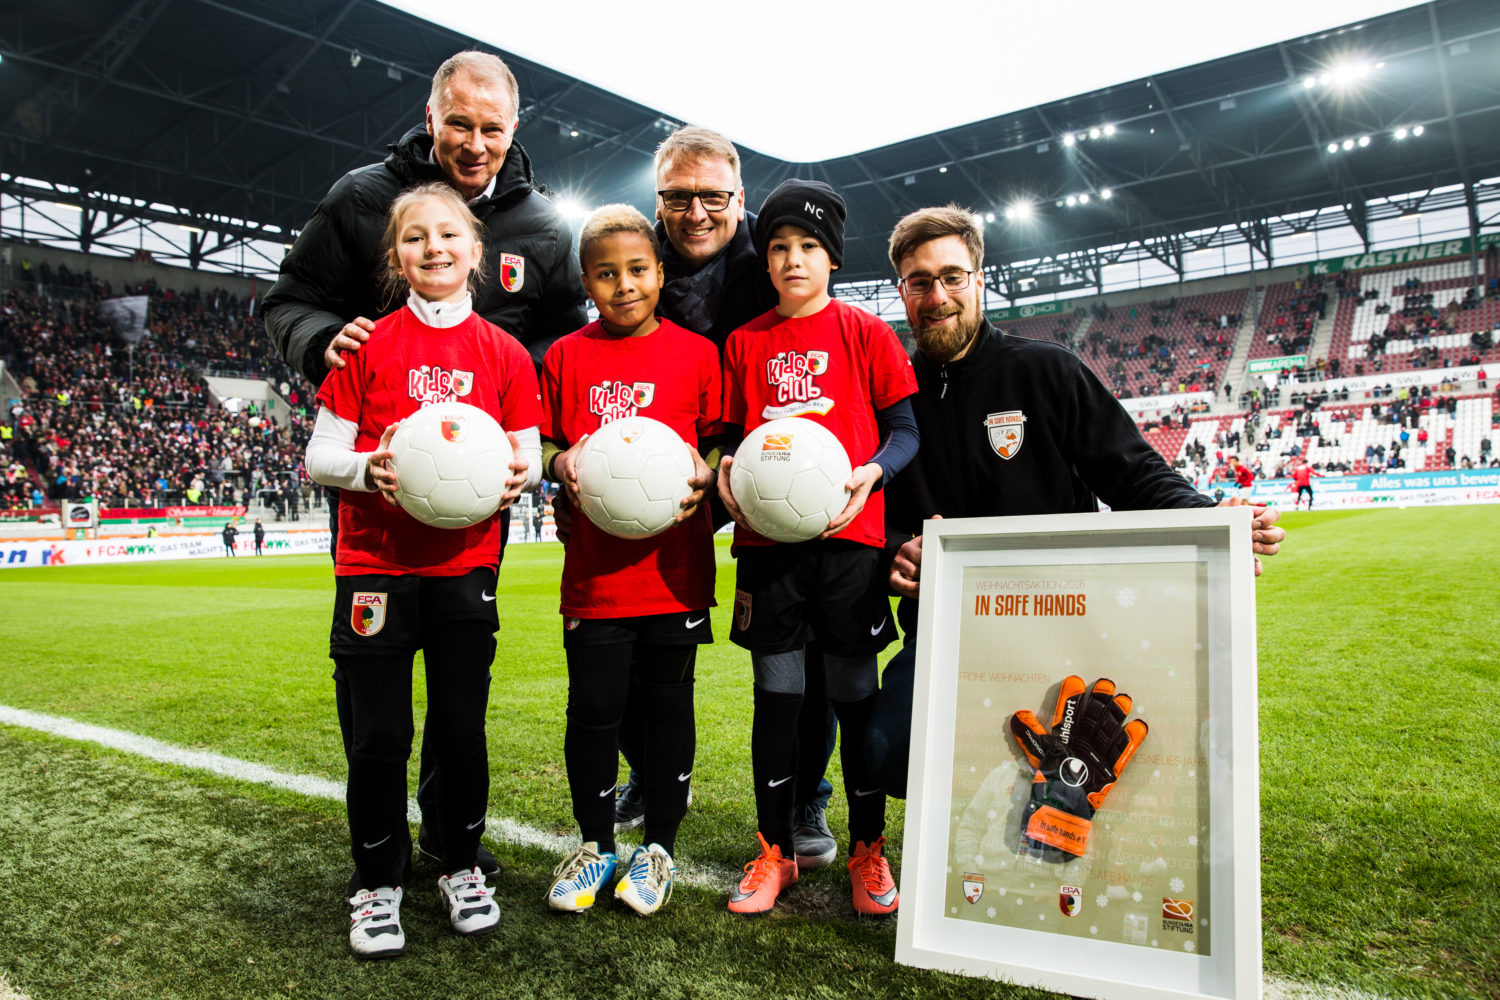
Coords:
pixel 1078 445
pixel 333 272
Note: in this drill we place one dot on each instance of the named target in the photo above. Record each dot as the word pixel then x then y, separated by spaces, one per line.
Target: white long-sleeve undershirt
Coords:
pixel 332 460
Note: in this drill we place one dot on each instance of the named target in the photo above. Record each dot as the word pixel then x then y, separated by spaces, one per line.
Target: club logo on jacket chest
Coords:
pixel 1007 430
pixel 512 271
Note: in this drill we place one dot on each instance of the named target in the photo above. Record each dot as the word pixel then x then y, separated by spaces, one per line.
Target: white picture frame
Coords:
pixel 1189 590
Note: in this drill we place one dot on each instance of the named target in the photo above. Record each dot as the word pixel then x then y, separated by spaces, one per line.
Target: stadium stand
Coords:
pixel 1416 317
pixel 1166 345
pixel 141 427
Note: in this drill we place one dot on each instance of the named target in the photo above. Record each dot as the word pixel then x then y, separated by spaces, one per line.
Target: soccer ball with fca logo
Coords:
pixel 451 462
pixel 633 476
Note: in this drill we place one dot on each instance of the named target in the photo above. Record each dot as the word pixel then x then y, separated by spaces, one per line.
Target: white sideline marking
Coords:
pixel 502 829
pixel 9 992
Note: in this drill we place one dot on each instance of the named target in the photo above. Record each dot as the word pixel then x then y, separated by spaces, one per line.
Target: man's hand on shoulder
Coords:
pixel 348 340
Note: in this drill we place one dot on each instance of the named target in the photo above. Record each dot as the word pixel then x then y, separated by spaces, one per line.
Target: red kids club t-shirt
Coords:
pixel 837 366
pixel 404 366
pixel 590 378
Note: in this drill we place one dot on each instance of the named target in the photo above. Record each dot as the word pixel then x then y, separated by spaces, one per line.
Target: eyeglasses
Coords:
pixel 681 201
pixel 920 284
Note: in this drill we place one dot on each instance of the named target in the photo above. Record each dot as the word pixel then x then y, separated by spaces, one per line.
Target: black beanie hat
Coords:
pixel 809 205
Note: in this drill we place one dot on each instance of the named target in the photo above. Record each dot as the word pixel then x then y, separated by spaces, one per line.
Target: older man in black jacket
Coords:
pixel 329 293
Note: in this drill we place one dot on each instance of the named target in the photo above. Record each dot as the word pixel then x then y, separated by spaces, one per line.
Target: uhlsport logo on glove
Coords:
pixel 1075 764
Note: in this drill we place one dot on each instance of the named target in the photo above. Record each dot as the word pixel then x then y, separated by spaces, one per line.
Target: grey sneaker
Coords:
pixel 813 843
pixel 630 807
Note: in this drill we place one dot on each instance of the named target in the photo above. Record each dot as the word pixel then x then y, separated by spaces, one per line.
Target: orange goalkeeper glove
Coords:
pixel 1076 763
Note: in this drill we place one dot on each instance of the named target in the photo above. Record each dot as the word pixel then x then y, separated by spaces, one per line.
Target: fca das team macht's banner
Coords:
pixel 1394 489
pixel 124 550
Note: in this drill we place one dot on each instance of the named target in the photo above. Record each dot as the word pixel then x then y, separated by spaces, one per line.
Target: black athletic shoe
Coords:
pixel 630 807
pixel 427 845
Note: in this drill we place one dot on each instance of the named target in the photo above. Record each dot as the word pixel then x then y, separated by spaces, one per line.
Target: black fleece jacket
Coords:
pixel 1077 444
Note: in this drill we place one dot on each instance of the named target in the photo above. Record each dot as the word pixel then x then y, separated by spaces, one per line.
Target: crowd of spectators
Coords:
pixel 1290 327
pixel 1174 361
pixel 137 427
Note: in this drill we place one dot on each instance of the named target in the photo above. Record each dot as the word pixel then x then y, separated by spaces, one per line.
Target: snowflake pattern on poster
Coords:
pixel 1178 885
pixel 1125 597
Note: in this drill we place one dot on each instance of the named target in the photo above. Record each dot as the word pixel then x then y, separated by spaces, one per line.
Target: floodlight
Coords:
pixel 1083 199
pixel 1109 130
pixel 1068 139
pixel 1401 132
pixel 571 208
pixel 1309 82
pixel 1094 133
pixel 1325 78
pixel 354 58
pixel 1072 200
pixel 1333 147
pixel 1364 141
pixel 1010 213
pixel 1106 194
pixel 1022 208
pixel 942 170
pixel 989 216
pixel 1348 144
pixel 1418 130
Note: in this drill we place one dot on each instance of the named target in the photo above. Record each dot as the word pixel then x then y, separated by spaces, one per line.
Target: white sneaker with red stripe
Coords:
pixel 375 923
pixel 471 905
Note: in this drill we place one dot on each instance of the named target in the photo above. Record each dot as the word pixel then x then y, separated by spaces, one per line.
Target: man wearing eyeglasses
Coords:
pixel 1008 426
pixel 716 283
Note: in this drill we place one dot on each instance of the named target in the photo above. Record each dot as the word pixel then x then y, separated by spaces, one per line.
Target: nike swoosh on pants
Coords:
pixel 378 842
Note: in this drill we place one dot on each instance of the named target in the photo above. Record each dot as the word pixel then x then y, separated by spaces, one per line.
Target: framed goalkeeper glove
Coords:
pixel 1075 763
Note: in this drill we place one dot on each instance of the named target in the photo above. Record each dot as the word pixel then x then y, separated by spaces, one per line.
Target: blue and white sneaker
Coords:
pixel 577 880
pixel 471 904
pixel 647 882
pixel 375 923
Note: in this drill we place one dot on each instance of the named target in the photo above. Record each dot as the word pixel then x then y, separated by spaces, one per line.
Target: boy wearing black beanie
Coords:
pixel 817 358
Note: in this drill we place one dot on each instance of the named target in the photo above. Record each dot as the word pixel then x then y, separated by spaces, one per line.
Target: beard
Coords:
pixel 944 343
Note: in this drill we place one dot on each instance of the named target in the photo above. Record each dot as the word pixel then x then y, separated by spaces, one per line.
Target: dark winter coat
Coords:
pixel 333 272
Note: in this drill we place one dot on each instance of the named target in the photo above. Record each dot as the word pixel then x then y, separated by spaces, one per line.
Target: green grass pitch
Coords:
pixel 122 877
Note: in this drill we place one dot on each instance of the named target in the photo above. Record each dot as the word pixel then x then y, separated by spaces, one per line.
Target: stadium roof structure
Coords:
pixel 235 118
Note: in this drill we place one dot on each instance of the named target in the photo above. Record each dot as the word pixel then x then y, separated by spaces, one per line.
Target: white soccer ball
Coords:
pixel 451 462
pixel 788 478
pixel 632 477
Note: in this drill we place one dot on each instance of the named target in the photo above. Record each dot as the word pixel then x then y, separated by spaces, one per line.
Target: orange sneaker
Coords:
pixel 764 879
pixel 870 875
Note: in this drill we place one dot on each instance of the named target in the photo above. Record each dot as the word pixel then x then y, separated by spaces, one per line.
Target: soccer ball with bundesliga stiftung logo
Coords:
pixel 788 478
pixel 451 461
pixel 633 476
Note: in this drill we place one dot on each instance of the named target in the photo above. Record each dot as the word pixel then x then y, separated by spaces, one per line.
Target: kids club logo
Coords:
pixel 435 384
pixel 791 376
pixel 617 400
pixel 367 614
pixel 1007 430
pixel 512 271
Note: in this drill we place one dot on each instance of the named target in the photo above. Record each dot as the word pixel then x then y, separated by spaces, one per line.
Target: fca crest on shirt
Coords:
pixel 791 375
pixel 1007 430
pixel 617 400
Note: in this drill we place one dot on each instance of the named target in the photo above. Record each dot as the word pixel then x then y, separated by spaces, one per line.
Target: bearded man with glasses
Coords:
pixel 1008 426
